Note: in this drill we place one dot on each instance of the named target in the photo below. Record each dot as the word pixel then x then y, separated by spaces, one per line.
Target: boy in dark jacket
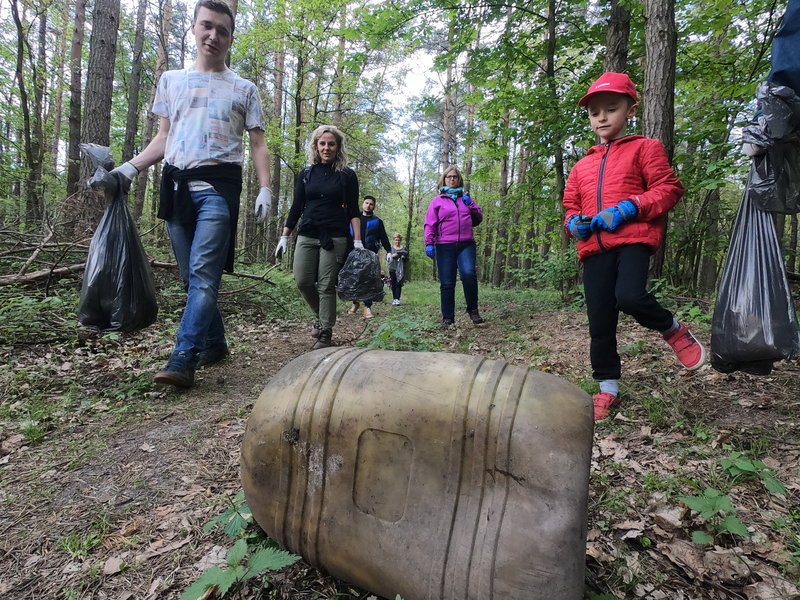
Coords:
pixel 616 201
pixel 373 234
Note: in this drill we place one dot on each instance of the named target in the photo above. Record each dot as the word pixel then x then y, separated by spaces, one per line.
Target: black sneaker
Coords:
pixel 316 329
pixel 447 323
pixel 178 372
pixel 476 317
pixel 324 339
pixel 213 355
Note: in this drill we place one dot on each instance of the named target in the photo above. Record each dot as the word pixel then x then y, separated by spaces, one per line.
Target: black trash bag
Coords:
pixel 754 322
pixel 360 277
pixel 118 293
pixel 775 182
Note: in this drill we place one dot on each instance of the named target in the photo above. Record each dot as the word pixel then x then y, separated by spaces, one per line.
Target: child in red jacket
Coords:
pixel 616 199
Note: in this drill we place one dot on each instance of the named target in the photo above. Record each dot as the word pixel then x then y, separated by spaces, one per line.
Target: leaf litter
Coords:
pixel 146 472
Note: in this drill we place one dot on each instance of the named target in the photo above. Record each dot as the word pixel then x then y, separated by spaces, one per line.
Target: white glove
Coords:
pixel 128 172
pixel 263 204
pixel 358 244
pixel 282 246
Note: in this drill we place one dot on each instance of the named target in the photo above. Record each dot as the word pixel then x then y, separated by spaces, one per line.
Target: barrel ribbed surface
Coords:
pixel 430 475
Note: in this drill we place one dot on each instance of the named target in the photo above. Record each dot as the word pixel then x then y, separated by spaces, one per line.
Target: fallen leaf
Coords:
pixel 685 555
pixel 112 566
pixel 764 590
pixel 147 447
pixel 12 443
pixel 669 518
pixel 728 565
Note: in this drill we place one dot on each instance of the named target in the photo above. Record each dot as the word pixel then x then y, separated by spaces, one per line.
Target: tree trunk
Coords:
pixel 338 76
pixel 75 101
pixel 659 87
pixel 448 122
pixel 162 63
pixel 32 128
pixel 619 29
pixel 58 108
pixel 97 105
pixel 273 225
pixel 556 150
pixel 501 245
pixel 134 86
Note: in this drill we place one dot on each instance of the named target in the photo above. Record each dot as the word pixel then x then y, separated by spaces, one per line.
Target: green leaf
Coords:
pixel 698 504
pixel 237 553
pixel 773 485
pixel 210 578
pixel 745 465
pixel 229 577
pixel 269 559
pixel 724 505
pixel 701 538
pixel 236 525
pixel 733 525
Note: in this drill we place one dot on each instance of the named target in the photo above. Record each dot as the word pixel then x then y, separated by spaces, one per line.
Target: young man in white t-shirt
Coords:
pixel 204 113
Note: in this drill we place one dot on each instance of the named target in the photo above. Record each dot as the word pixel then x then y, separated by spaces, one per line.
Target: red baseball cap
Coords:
pixel 610 82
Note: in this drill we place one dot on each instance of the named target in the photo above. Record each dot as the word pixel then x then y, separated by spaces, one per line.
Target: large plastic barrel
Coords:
pixel 429 475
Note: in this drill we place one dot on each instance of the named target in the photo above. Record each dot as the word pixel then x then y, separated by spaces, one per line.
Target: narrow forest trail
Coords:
pixel 113 504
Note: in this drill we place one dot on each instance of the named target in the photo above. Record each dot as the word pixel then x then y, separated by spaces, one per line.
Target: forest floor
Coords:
pixel 108 481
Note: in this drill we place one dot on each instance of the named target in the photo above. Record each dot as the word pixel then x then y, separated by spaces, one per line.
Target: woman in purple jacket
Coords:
pixel 448 238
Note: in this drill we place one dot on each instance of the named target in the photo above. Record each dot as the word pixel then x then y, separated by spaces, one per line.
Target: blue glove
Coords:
pixel 466 199
pixel 430 251
pixel 611 218
pixel 579 227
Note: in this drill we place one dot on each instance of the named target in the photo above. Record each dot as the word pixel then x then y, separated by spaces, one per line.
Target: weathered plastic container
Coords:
pixel 429 475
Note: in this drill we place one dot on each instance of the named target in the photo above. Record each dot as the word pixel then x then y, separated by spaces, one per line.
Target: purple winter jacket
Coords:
pixel 448 221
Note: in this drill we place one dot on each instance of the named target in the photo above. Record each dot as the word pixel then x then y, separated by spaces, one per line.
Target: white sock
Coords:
pixel 610 386
pixel 673 328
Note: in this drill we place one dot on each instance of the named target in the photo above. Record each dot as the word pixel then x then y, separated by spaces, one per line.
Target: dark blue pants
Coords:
pixel 616 281
pixel 449 258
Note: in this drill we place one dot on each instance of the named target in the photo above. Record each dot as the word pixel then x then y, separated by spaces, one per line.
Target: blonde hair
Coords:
pixel 446 172
pixel 397 235
pixel 340 161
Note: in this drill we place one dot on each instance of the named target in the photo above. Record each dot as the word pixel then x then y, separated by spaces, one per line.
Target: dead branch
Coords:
pixel 72 270
pixel 41 275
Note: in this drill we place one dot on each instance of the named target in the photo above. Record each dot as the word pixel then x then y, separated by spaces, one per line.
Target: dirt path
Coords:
pixel 102 510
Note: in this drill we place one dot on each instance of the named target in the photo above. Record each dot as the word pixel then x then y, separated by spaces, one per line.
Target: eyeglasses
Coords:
pixel 451 176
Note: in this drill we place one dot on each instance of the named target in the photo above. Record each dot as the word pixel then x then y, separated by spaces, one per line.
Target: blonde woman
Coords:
pixel 324 208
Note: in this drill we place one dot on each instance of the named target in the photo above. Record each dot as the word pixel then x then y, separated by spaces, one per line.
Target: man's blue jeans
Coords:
pixel 200 250
pixel 450 257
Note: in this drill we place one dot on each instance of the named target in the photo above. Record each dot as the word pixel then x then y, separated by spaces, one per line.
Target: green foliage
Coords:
pixel 235 519
pixel 718 515
pixel 242 564
pixel 692 313
pixel 79 545
pixel 402 334
pixel 26 316
pixel 737 466
pixel 251 555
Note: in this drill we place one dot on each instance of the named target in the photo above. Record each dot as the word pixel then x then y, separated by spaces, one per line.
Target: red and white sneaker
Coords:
pixel 603 403
pixel 687 348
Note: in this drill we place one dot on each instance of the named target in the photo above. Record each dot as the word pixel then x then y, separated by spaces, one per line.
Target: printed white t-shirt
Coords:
pixel 208 115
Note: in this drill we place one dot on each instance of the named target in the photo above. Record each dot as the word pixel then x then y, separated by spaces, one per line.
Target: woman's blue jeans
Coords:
pixel 449 258
pixel 201 249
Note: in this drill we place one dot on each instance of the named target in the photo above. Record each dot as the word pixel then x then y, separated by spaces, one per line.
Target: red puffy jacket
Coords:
pixel 633 168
